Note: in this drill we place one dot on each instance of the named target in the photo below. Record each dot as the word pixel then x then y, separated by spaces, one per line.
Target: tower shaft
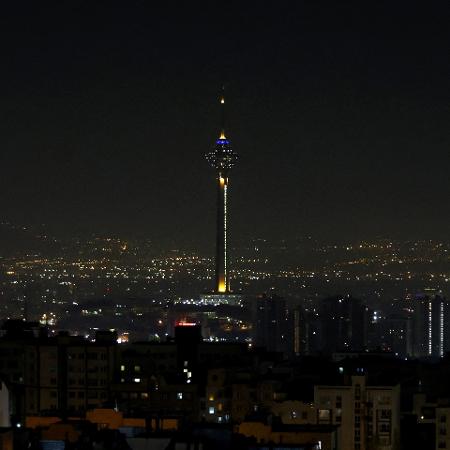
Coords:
pixel 222 277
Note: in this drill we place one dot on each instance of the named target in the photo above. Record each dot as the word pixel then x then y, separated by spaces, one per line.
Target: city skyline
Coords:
pixel 340 114
pixel 145 303
pixel 297 230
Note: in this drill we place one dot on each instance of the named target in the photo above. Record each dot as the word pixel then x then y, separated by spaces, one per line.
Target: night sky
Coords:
pixel 340 115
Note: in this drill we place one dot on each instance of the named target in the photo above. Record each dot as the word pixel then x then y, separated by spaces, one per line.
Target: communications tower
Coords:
pixel 222 159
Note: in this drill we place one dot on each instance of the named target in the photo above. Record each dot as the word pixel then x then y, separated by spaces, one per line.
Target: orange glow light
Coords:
pixel 222 287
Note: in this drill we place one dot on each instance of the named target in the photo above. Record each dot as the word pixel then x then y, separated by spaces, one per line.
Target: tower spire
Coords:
pixel 222 113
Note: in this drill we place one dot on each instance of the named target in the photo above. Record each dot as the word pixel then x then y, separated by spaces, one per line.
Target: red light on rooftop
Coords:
pixel 182 323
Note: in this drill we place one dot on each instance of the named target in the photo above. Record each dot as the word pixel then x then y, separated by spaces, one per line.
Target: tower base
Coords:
pixel 221 299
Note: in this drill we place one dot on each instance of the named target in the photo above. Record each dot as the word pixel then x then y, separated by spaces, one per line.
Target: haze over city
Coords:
pixel 338 112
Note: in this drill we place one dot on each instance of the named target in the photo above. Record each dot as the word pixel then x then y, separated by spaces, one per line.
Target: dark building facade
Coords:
pixel 306 332
pixel 68 375
pixel 60 373
pixel 273 327
pixel 343 323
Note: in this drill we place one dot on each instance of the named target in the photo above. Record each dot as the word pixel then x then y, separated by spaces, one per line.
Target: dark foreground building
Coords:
pixel 223 395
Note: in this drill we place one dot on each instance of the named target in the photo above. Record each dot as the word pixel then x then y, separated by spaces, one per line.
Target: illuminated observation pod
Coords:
pixel 222 157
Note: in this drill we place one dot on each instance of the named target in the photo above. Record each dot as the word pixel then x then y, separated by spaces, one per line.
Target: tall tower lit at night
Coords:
pixel 222 159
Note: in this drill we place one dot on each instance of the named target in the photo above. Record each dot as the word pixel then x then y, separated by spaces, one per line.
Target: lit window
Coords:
pixel 137 380
pixel 179 396
pixel 122 368
pixel 211 409
pixel 211 398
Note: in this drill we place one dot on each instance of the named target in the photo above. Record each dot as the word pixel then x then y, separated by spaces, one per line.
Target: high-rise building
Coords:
pixel 369 416
pixel 343 324
pixel 272 325
pixel 430 334
pixel 394 334
pixel 222 158
pixel 306 336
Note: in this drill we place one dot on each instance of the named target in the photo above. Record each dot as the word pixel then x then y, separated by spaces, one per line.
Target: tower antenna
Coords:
pixel 222 113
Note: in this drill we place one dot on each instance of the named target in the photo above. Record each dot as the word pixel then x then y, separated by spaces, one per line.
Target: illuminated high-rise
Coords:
pixel 430 318
pixel 222 159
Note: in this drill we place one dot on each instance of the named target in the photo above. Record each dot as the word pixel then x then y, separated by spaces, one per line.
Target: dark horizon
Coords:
pixel 339 114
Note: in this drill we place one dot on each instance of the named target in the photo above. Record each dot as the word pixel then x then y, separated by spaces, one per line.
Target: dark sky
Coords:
pixel 339 113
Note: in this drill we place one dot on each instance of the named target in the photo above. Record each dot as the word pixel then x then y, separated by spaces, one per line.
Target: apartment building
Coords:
pixel 369 416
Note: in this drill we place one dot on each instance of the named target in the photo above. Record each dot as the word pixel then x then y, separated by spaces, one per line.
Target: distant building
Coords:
pixel 272 327
pixel 306 332
pixel 431 329
pixel 393 334
pixel 342 324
